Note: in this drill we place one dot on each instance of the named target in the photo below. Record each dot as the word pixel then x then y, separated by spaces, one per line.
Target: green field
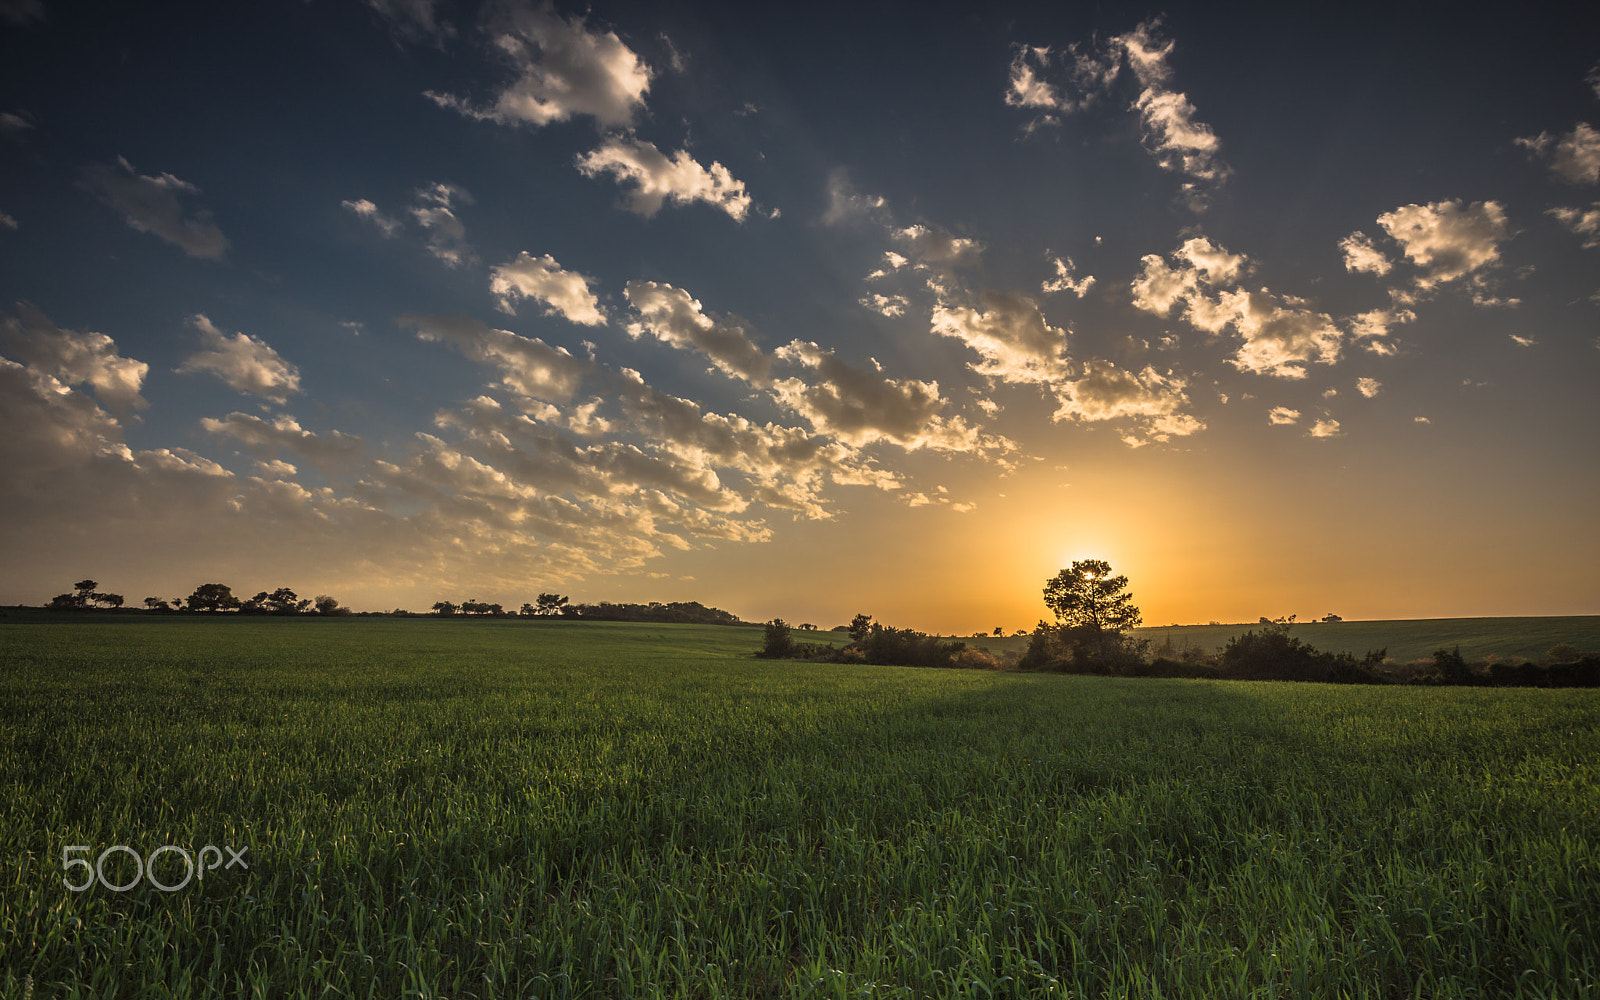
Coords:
pixel 513 809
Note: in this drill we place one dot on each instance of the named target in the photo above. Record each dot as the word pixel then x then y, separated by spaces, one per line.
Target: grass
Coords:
pixel 498 809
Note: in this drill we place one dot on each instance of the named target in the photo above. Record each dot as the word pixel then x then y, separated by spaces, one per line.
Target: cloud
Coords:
pixel 387 225
pixel 434 211
pixel 862 407
pixel 1368 387
pixel 1325 429
pixel 1575 156
pixel 75 358
pixel 1447 240
pixel 672 316
pixel 1584 222
pixel 414 20
pixel 1066 280
pixel 1361 256
pixel 1177 141
pixel 243 362
pixel 1279 335
pixel 846 204
pixel 528 366
pixel 154 205
pixel 564 293
pixel 14 126
pixel 284 434
pixel 7 222
pixel 1107 392
pixel 887 305
pixel 939 249
pixel 657 179
pixel 1011 336
pixel 1281 415
pixel 563 70
pixel 1523 340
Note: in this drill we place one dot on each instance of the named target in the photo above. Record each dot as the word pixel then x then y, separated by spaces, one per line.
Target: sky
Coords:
pixel 803 310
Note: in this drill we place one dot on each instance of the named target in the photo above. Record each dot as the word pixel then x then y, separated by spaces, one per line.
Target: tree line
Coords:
pixel 1094 615
pixel 208 597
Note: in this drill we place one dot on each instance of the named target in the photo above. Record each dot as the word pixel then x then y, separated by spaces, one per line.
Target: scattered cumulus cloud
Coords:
pixel 1280 415
pixel 245 363
pixel 7 222
pixel 1066 279
pixel 1104 391
pixel 846 204
pixel 387 225
pixel 1575 156
pixel 1172 134
pixel 1360 256
pixel 1325 429
pixel 1448 240
pixel 1011 337
pixel 1523 340
pixel 934 247
pixel 674 317
pixel 1368 387
pixel 155 205
pixel 75 357
pixel 434 210
pixel 562 70
pixel 886 305
pixel 1584 222
pixel 528 366
pixel 656 178
pixel 283 434
pixel 564 293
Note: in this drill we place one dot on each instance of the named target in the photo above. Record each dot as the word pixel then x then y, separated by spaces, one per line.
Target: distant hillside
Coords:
pixel 1412 639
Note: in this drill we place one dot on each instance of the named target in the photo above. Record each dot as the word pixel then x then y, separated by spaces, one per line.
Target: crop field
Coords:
pixel 465 809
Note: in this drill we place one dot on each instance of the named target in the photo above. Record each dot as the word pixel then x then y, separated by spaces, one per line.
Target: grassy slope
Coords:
pixel 500 808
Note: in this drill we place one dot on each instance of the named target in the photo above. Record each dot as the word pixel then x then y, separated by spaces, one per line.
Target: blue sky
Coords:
pixel 803 311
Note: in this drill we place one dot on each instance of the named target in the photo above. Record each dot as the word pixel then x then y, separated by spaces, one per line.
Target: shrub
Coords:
pixel 776 641
pixel 1562 652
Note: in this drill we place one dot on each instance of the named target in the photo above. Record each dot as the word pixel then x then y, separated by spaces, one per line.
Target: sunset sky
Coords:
pixel 803 310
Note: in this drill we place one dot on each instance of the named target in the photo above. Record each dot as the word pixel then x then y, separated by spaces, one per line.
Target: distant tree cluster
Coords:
pixel 208 597
pixel 872 642
pixel 560 606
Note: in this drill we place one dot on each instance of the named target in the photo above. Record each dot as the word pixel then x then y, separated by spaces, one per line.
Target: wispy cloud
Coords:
pixel 245 363
pixel 155 205
pixel 656 178
pixel 563 293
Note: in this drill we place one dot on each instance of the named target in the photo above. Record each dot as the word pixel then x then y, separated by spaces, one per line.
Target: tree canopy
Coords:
pixel 1088 596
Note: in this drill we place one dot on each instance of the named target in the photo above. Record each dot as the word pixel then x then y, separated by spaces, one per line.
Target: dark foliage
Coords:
pixel 1084 649
pixel 689 612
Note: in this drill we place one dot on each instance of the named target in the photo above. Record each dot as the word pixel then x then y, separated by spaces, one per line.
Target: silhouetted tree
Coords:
pixel 213 597
pixel 551 604
pixel 776 641
pixel 444 609
pixel 1088 595
pixel 156 604
pixel 114 600
pixel 527 610
pixel 328 605
pixel 860 627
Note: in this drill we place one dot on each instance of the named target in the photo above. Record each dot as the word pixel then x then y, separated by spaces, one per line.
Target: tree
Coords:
pixel 860 627
pixel 444 609
pixel 551 604
pixel 776 641
pixel 156 604
pixel 328 605
pixel 213 597
pixel 1087 595
pixel 115 600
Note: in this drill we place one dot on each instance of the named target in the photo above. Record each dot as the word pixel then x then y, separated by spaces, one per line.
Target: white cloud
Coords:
pixel 887 305
pixel 1524 340
pixel 1280 415
pixel 657 179
pixel 1421 420
pixel 1447 240
pixel 1010 334
pixel 1584 222
pixel 563 70
pixel 154 205
pixel 1279 335
pixel 674 317
pixel 243 362
pixel 75 358
pixel 1375 324
pixel 1106 392
pixel 1368 387
pixel 528 366
pixel 1325 429
pixel 1178 142
pixel 1066 279
pixel 387 225
pixel 1575 156
pixel 434 211
pixel 1361 256
pixel 564 293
